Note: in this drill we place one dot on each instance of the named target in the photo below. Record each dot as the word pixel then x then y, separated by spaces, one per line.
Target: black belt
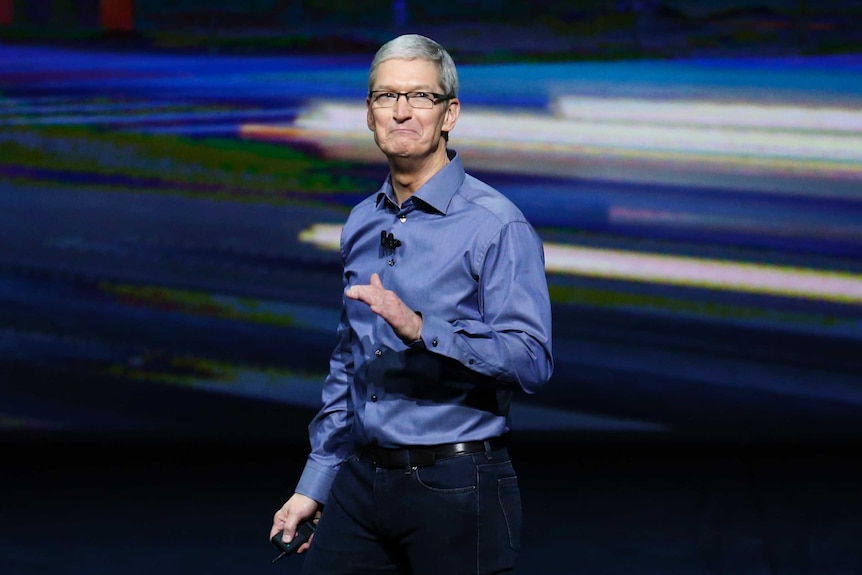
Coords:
pixel 426 455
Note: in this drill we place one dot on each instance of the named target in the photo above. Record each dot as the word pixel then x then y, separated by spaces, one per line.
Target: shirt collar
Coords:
pixel 437 193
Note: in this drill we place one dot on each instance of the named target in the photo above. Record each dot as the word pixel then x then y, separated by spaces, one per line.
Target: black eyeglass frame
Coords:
pixel 407 95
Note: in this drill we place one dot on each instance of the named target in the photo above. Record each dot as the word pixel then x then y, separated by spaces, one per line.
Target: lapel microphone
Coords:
pixel 388 241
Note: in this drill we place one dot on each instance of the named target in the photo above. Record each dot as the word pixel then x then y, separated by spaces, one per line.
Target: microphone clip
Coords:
pixel 388 241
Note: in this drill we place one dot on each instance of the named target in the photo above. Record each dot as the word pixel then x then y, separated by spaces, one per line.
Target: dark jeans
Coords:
pixel 461 515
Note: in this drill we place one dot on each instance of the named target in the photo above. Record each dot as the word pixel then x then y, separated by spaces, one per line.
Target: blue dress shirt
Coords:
pixel 469 262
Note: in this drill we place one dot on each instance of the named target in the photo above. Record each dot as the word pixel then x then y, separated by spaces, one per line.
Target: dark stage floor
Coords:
pixel 183 508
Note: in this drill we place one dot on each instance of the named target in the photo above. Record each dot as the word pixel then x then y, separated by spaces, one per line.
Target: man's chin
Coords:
pixel 402 150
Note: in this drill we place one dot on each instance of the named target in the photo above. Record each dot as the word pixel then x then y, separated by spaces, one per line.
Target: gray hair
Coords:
pixel 413 47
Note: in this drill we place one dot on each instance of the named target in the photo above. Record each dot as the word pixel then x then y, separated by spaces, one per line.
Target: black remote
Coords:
pixel 303 532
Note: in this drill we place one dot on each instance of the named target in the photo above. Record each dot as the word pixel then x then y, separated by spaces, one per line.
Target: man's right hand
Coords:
pixel 295 510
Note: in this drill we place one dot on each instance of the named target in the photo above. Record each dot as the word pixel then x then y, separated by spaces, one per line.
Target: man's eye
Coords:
pixel 423 95
pixel 386 95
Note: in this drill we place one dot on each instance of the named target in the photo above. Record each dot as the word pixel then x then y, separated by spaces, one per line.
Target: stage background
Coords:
pixel 173 175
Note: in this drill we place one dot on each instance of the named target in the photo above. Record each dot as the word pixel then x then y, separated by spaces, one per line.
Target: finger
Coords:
pixel 304 547
pixel 286 534
pixel 277 524
pixel 357 292
pixel 375 280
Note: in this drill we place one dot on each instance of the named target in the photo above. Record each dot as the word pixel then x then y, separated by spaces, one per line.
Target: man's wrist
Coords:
pixel 419 330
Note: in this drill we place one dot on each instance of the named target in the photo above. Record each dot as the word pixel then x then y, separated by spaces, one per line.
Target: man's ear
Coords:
pixel 453 110
pixel 369 117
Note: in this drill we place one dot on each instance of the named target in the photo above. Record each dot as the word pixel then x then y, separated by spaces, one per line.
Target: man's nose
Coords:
pixel 402 107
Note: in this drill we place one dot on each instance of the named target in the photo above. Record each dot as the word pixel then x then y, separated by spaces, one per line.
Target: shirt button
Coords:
pixel 403 219
pixel 472 361
pixel 434 342
pixel 391 262
pixel 374 397
pixel 378 352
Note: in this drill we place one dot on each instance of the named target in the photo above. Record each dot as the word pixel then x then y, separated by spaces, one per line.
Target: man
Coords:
pixel 445 316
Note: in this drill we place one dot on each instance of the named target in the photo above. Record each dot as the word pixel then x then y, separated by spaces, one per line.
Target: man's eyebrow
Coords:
pixel 415 88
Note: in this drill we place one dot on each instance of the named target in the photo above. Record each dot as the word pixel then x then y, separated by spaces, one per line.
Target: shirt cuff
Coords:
pixel 316 481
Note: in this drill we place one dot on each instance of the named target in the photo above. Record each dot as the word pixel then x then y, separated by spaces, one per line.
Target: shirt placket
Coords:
pixel 402 215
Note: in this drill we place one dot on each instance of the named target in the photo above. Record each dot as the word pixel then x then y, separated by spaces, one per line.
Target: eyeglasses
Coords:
pixel 384 99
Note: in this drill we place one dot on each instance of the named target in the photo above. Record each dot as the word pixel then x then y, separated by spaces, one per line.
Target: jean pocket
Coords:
pixel 454 475
pixel 509 495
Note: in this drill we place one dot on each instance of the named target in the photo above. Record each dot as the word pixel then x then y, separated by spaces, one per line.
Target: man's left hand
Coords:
pixel 406 323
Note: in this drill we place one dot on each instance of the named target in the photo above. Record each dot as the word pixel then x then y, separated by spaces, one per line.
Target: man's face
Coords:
pixel 402 130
